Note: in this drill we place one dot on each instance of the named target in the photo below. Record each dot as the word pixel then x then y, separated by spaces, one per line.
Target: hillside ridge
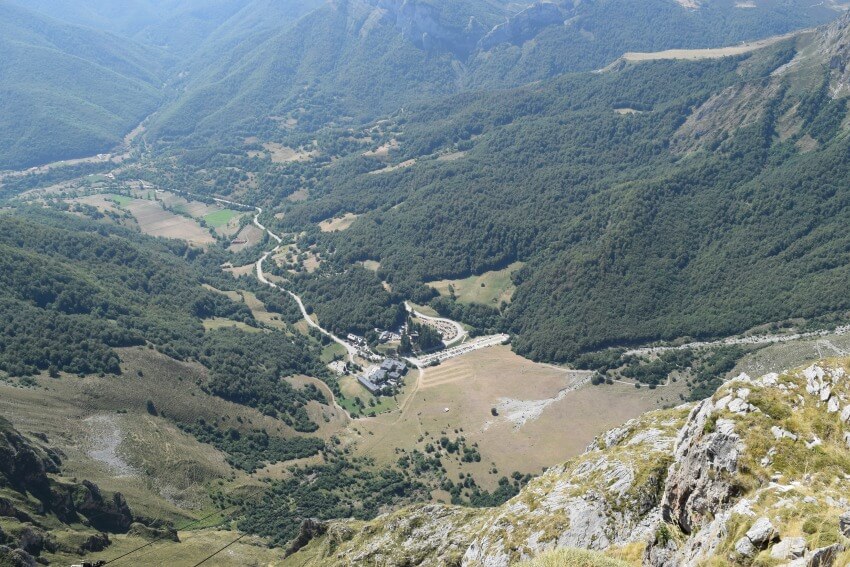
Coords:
pixel 716 480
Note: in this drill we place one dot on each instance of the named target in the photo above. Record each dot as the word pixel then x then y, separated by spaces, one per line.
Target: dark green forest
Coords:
pixel 74 289
pixel 626 238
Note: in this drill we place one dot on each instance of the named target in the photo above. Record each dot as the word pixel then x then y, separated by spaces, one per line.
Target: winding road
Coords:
pixel 352 352
pixel 460 332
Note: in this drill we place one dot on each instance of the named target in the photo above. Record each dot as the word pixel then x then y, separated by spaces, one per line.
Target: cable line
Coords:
pixel 219 551
pixel 156 539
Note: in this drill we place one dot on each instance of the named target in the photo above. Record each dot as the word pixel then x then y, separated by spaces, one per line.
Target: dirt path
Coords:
pixel 729 341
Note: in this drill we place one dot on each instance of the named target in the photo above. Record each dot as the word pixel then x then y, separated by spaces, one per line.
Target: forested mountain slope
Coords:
pixel 74 290
pixel 351 60
pixel 588 35
pixel 177 26
pixel 68 91
pixel 654 201
pixel 245 67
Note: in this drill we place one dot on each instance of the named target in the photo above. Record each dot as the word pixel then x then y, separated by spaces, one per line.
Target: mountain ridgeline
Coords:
pixel 236 68
pixel 579 179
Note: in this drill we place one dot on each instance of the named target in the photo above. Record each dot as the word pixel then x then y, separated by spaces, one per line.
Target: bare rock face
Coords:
pixel 844 524
pixel 711 482
pixel 16 557
pixel 523 26
pixel 706 457
pixel 421 23
pixel 309 529
pixel 737 464
pixel 757 538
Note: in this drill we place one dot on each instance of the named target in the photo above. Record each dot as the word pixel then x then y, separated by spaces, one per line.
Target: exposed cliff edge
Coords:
pixel 757 474
pixel 523 26
pixel 35 502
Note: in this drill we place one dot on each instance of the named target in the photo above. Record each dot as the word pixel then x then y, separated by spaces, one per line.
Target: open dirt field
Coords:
pixel 454 156
pixel 247 237
pixel 283 154
pixel 156 221
pixel 339 223
pixel 300 195
pixel 396 167
pixel 627 111
pixel 469 386
pixel 696 54
pixel 490 288
pixel 383 151
pixel 221 323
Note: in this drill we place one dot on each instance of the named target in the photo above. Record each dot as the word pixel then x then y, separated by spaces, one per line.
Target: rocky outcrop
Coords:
pixel 757 474
pixel 24 466
pixel 523 26
pixel 607 496
pixel 422 24
pixel 743 459
pixel 16 557
pixel 35 495
pixel 309 530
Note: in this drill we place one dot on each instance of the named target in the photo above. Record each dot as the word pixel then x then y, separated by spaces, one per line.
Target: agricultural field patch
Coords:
pixel 221 323
pixel 282 154
pixel 247 237
pixel 220 218
pixel 489 288
pixel 299 195
pixel 338 223
pixel 156 221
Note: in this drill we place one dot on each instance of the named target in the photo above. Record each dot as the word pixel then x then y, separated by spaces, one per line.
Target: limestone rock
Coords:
pixel 790 548
pixel 824 556
pixel 844 523
pixel 16 557
pixel 762 533
pixel 309 529
pixel 745 547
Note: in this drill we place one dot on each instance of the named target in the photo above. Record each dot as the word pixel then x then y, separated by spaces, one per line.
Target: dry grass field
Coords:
pixel 781 356
pixel 249 236
pixel 194 546
pixel 283 154
pixel 300 195
pixel 221 323
pixel 696 54
pixel 469 386
pixel 396 167
pixel 103 427
pixel 156 221
pixel 490 288
pixel 383 151
pixel 454 156
pixel 338 223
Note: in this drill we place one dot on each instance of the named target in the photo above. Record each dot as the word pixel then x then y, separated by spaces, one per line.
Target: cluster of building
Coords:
pixel 384 379
pixel 389 336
